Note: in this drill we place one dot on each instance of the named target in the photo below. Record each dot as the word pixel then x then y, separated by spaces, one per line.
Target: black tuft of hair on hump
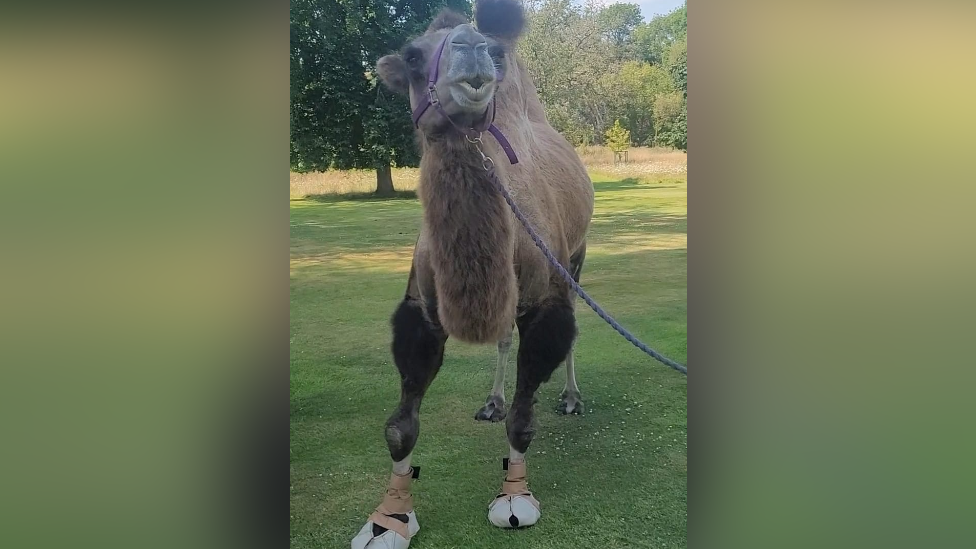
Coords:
pixel 503 19
pixel 446 19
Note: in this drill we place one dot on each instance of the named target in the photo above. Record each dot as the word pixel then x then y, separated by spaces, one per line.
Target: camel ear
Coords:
pixel 503 19
pixel 393 73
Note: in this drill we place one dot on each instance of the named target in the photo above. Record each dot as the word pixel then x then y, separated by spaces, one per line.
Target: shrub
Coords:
pixel 671 121
pixel 618 137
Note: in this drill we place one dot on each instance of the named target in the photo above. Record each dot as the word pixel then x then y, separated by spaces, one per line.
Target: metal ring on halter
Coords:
pixel 486 162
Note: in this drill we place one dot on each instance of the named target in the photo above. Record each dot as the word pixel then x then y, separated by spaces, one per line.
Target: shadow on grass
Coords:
pixel 632 183
pixel 626 184
pixel 370 197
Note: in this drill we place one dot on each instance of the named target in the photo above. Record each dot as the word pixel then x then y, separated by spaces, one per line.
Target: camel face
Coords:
pixel 468 71
pixel 470 74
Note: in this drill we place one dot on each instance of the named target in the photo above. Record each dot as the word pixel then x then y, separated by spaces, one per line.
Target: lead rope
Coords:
pixel 489 165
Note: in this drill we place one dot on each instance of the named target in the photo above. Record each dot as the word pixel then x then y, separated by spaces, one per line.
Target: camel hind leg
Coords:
pixel 494 408
pixel 570 401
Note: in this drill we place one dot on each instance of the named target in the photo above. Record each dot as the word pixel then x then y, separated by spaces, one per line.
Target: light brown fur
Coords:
pixel 482 261
pixel 468 237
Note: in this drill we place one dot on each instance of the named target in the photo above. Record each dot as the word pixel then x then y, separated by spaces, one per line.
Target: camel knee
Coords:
pixel 520 428
pixel 402 430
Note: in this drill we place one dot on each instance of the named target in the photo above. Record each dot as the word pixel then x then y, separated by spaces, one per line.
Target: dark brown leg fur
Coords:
pixel 418 351
pixel 546 334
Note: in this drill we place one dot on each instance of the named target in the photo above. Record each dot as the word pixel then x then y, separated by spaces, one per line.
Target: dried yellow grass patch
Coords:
pixel 641 161
pixel 348 181
pixel 640 242
pixel 394 260
pixel 594 155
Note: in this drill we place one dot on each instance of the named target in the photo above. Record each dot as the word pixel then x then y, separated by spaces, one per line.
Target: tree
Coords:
pixel 671 130
pixel 653 39
pixel 571 63
pixel 618 138
pixel 637 85
pixel 340 116
pixel 677 62
pixel 326 91
pixel 619 22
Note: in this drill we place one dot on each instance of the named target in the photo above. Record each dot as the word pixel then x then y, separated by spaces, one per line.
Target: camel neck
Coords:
pixel 472 242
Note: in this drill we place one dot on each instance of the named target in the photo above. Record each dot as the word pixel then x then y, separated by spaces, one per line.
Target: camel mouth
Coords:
pixel 468 96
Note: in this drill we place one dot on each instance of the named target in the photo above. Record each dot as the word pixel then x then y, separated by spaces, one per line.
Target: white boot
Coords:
pixel 514 507
pixel 397 535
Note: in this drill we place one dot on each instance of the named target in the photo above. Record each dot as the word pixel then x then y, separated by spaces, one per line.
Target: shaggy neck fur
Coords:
pixel 472 242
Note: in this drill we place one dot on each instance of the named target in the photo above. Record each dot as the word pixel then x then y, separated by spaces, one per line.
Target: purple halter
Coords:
pixel 487 122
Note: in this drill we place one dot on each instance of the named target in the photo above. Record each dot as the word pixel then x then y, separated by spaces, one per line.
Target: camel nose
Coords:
pixel 465 35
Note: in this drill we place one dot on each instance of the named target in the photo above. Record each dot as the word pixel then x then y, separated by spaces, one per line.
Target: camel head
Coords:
pixel 470 69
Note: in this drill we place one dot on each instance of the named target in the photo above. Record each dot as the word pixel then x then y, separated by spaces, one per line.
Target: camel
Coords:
pixel 476 275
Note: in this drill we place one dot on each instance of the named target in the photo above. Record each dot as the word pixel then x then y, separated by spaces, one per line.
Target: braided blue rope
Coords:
pixel 569 278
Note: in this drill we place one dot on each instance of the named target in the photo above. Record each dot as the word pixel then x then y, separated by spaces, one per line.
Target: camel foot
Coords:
pixel 375 536
pixel 570 403
pixel 393 523
pixel 493 410
pixel 514 507
pixel 516 511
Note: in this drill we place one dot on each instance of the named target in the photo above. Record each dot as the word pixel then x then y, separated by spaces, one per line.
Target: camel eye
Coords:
pixel 496 51
pixel 413 57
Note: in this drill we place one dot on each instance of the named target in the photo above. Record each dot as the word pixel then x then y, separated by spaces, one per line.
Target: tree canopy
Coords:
pixel 653 39
pixel 595 64
pixel 619 22
pixel 592 64
pixel 341 117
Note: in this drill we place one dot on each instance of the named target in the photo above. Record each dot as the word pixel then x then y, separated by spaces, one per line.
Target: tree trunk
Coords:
pixel 384 181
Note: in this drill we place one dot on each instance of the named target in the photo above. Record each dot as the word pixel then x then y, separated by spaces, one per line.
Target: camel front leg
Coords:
pixel 494 408
pixel 546 334
pixel 418 351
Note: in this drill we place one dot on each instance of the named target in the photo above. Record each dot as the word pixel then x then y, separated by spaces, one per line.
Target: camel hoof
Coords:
pixel 493 410
pixel 374 536
pixel 513 511
pixel 570 403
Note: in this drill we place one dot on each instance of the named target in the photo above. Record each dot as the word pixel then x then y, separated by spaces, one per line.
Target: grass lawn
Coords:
pixel 615 477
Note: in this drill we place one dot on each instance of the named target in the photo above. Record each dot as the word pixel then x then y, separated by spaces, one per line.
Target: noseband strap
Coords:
pixel 487 121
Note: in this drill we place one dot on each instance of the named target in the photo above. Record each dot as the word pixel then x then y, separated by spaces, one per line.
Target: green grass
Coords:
pixel 615 477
